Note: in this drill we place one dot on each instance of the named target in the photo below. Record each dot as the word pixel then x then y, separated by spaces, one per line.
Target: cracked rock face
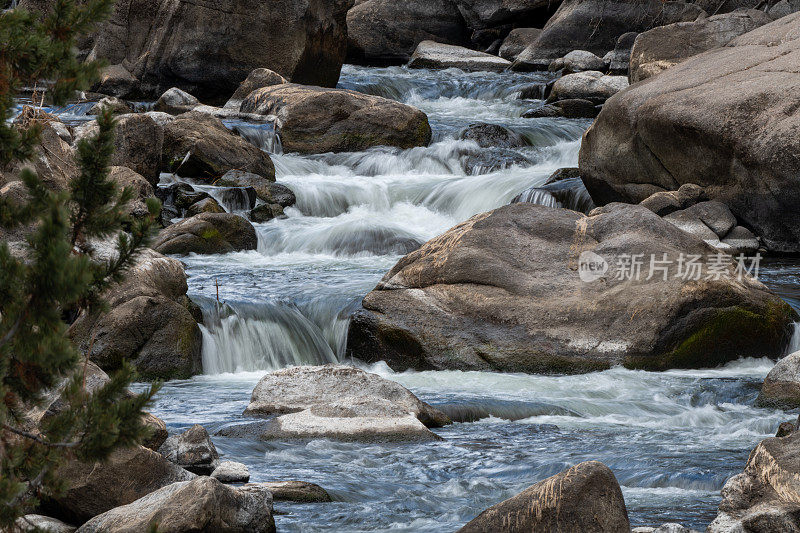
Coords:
pixel 504 291
pixel 724 120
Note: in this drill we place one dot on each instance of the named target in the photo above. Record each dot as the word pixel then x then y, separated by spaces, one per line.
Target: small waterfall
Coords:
pixel 569 193
pixel 537 196
pixel 263 135
pixel 242 337
pixel 794 344
pixel 233 199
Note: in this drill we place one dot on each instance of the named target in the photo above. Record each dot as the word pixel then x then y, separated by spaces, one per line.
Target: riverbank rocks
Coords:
pixel 766 496
pixel 175 101
pixel 127 475
pixel 317 120
pixel 517 41
pixel 595 26
pixel 339 402
pixel 662 47
pixel 781 388
pixel 212 148
pixel 203 504
pixel 586 497
pixel 149 322
pixel 696 124
pixel 592 85
pixel 207 233
pixel 192 450
pixel 387 32
pixel 578 61
pixel 433 55
pixel 207 51
pixel 231 472
pixel 480 297
pixel 296 491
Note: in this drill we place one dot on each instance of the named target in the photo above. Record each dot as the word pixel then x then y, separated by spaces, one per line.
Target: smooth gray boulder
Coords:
pixel 202 505
pixel 42 524
pixel 231 472
pixel 175 101
pixel 590 85
pixel 696 124
pixel 662 47
pixel 192 450
pixel 207 233
pixel 479 297
pixel 766 496
pixel 317 120
pixel 585 498
pixel 781 387
pixel 578 61
pixel 433 55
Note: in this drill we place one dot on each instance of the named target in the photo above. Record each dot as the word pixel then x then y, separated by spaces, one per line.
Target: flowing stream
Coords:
pixel 671 438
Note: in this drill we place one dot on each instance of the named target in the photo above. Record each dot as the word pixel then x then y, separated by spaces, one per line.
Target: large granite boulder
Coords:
pixel 316 120
pixel 97 487
pixel 337 402
pixel 208 49
pixel 202 505
pixel 193 450
pixel 781 388
pixel 207 233
pixel 697 123
pixel 662 47
pixel 585 498
pixel 212 149
pixel 433 55
pixel 765 498
pixel 595 25
pixel 387 31
pixel 481 297
pixel 150 322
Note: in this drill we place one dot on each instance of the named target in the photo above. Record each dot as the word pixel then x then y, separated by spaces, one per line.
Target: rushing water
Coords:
pixel 671 438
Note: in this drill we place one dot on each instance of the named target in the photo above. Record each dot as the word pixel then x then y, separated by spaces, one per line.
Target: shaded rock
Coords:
pixel 596 25
pixel 116 80
pixel 213 149
pixel 783 8
pixel 433 55
pixel 662 47
pixel 232 472
pixel 563 174
pixel 207 51
pixel 193 450
pixel 578 61
pixel 569 193
pixel 257 79
pixel 265 212
pixel 206 205
pixel 266 190
pixel 492 13
pixel 591 85
pixel 479 297
pixel 340 402
pixel 125 177
pixel 781 388
pixel 52 160
pixel 94 488
pixel 698 124
pixel 544 111
pixel 316 120
pixel 113 103
pixel 536 91
pixel 386 31
pixel 207 233
pixel 618 60
pixel 785 429
pixel 202 505
pixel 517 41
pixel 158 430
pixel 175 101
pixel 740 240
pixel 42 524
pixel 585 497
pixel 493 135
pixel 715 216
pixel 149 323
pixel 764 498
pixel 296 491
pixel 568 108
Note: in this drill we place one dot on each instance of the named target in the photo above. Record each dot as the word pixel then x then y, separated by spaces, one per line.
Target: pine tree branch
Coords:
pixel 39 440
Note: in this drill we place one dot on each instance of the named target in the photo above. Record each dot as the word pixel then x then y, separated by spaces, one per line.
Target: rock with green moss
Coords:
pixel 528 288
pixel 317 120
pixel 150 323
pixel 207 233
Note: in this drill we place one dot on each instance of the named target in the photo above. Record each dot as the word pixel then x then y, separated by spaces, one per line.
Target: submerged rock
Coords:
pixel 203 504
pixel 697 123
pixel 433 55
pixel 339 402
pixel 149 323
pixel 766 496
pixel 193 450
pixel 480 297
pixel 207 233
pixel 781 388
pixel 586 498
pixel 317 120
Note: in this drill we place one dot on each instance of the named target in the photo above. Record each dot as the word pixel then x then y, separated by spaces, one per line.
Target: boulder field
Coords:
pixel 504 291
pixel 724 120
